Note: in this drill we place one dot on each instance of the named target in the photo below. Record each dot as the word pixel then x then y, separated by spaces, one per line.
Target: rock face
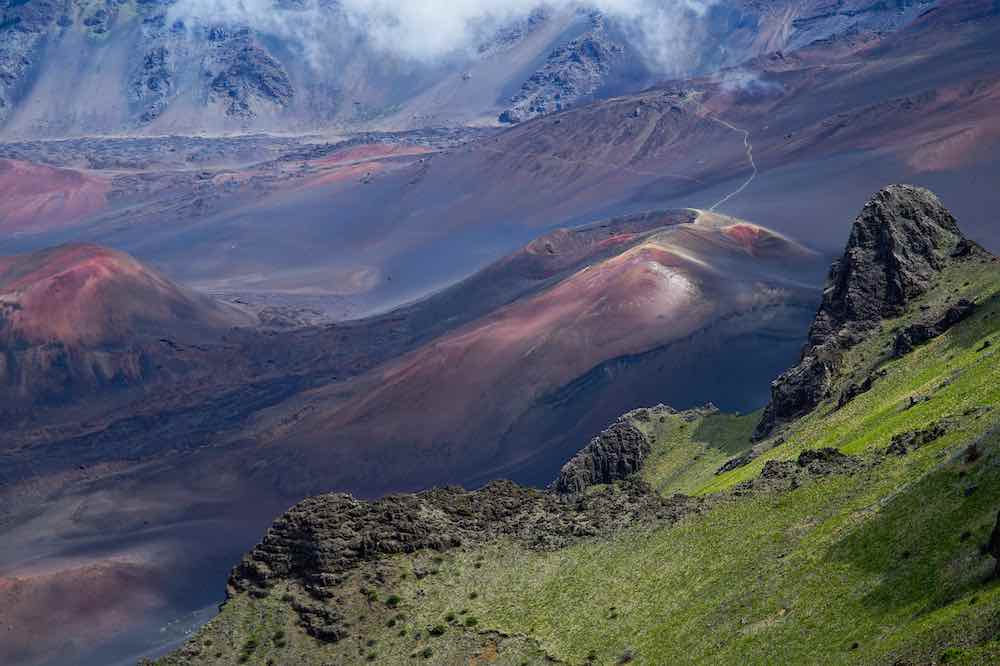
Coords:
pixel 320 540
pixel 570 73
pixel 904 443
pixel 243 74
pixel 22 27
pixel 921 332
pixel 813 462
pixel 903 238
pixel 615 454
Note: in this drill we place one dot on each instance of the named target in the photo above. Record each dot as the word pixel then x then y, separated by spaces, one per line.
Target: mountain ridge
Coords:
pixel 621 466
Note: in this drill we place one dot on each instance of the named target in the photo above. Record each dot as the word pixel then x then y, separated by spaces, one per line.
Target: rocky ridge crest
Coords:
pixel 903 238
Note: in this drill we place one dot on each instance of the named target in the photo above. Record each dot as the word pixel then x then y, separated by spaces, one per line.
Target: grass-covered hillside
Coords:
pixel 855 534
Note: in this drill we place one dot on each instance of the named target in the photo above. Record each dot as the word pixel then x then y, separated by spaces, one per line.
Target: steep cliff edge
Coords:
pixel 899 245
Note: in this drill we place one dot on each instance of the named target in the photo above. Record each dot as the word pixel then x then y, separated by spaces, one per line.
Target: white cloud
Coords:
pixel 429 30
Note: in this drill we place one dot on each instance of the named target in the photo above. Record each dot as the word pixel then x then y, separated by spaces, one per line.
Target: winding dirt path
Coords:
pixel 749 150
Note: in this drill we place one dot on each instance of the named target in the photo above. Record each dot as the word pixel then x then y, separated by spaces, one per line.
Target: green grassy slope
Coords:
pixel 883 565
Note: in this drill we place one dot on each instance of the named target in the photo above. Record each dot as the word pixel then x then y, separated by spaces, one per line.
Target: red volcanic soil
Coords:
pixel 361 162
pixel 451 401
pixel 37 198
pixel 89 295
pixel 75 603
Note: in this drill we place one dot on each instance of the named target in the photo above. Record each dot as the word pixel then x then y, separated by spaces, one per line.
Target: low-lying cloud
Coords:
pixel 426 31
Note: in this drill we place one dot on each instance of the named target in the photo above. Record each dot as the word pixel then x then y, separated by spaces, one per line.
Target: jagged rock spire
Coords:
pixel 902 239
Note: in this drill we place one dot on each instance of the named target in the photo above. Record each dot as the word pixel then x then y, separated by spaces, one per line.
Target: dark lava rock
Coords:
pixel 796 393
pixel 810 464
pixel 901 241
pixel 321 539
pixel 820 462
pixel 736 463
pixel 615 454
pixel 854 390
pixel 570 73
pixel 905 442
pixel 246 73
pixel 921 332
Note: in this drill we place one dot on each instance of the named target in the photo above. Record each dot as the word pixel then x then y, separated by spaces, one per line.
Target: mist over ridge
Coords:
pixel 664 31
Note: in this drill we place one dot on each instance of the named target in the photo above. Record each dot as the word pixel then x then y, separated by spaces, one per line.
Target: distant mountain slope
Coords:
pixel 79 67
pixel 864 533
pixel 360 218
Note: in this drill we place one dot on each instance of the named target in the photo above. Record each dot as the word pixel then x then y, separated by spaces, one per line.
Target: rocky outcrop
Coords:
pixel 615 454
pixel 22 28
pixel 906 442
pixel 320 540
pixel 570 73
pixel 902 240
pixel 243 74
pixel 790 474
pixel 855 389
pixel 921 332
pixel 796 393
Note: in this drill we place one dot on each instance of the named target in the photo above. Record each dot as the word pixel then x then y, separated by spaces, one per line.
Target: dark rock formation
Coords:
pixel 243 73
pixel 905 442
pixel 737 462
pixel 810 463
pixel 615 454
pixel 854 390
pixel 796 393
pixel 320 540
pixel 570 73
pixel 22 29
pixel 921 332
pixel 903 238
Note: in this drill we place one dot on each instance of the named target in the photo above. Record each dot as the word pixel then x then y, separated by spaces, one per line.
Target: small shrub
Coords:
pixel 370 642
pixel 372 656
pixel 427 653
pixel 474 595
pixel 393 601
pixel 471 621
pixel 287 598
pixel 279 634
pixel 450 617
pixel 391 623
pixel 951 654
pixel 437 630
pixel 626 657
